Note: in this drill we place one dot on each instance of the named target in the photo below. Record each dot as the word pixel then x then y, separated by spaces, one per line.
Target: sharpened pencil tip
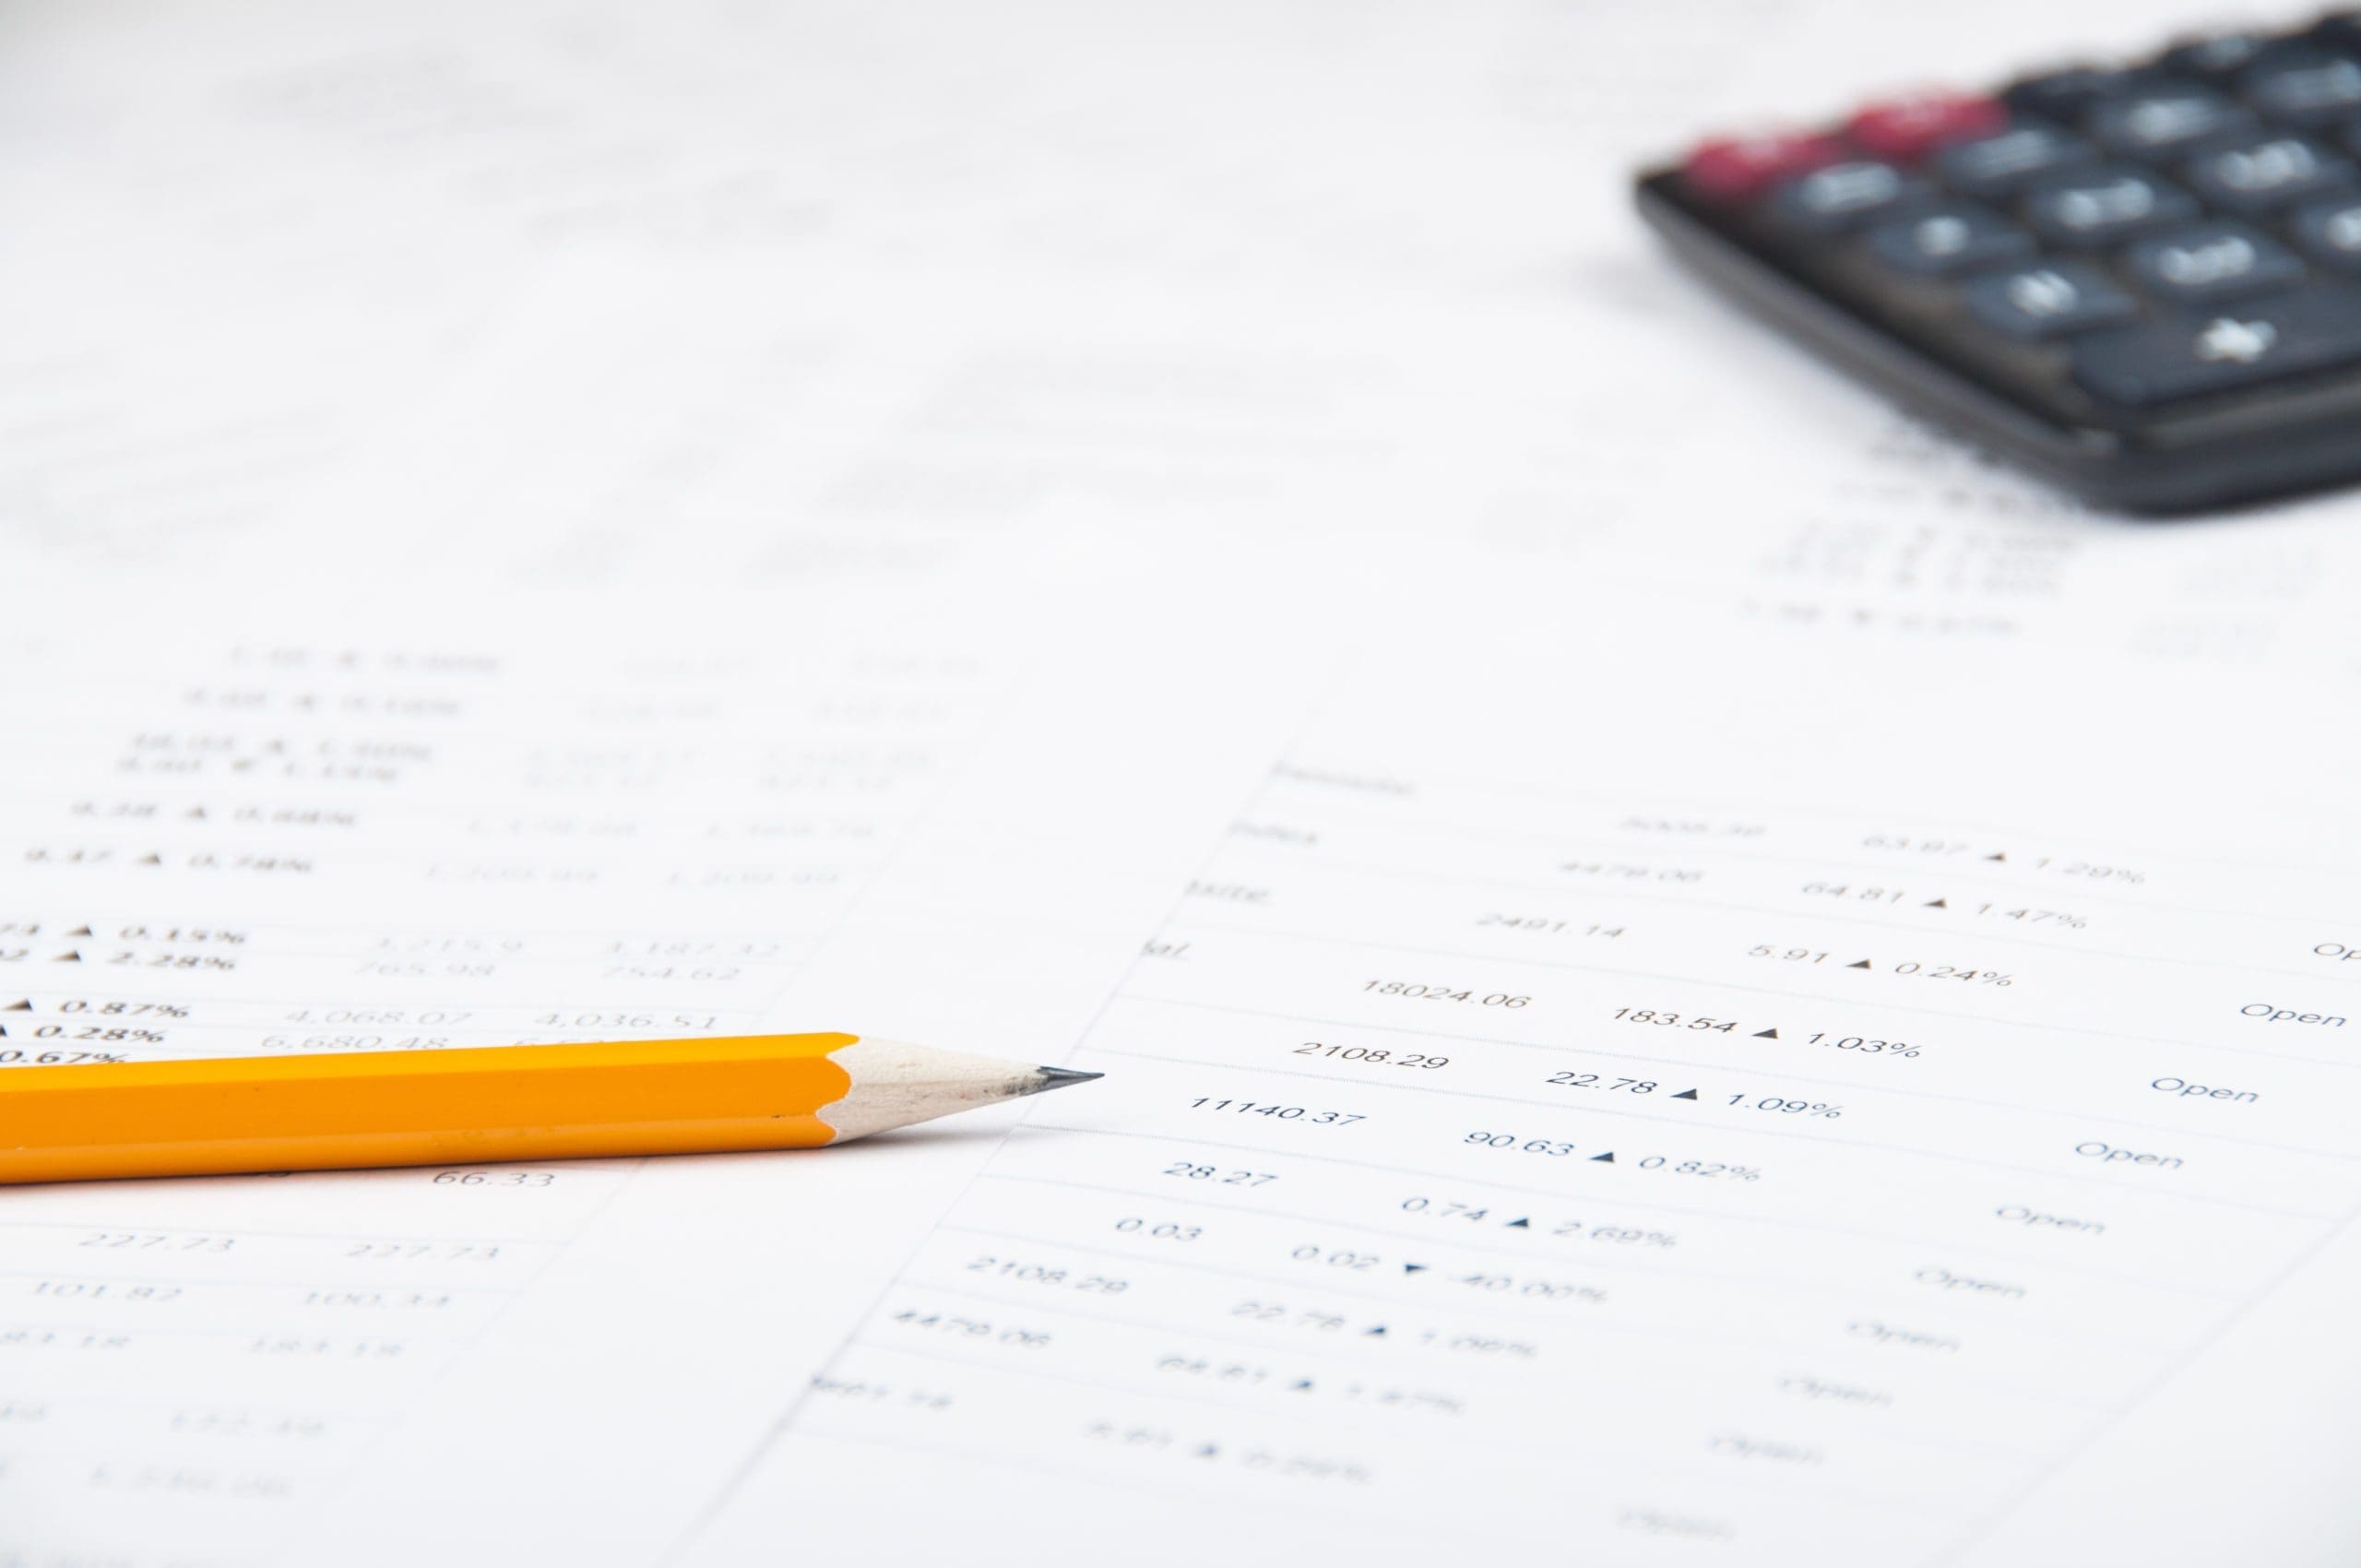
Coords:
pixel 1062 1077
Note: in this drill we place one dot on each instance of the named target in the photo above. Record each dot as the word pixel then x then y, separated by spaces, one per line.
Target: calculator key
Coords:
pixel 2105 207
pixel 2163 361
pixel 2218 56
pixel 1738 168
pixel 2258 173
pixel 2050 300
pixel 2166 121
pixel 2307 88
pixel 1845 195
pixel 1949 239
pixel 1904 130
pixel 2329 231
pixel 2212 261
pixel 2073 93
pixel 2027 150
pixel 2339 30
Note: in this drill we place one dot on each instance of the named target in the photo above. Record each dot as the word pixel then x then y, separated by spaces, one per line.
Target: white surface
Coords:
pixel 1037 422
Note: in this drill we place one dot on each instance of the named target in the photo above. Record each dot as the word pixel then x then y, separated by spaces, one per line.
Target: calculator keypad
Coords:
pixel 1847 196
pixel 1998 165
pixel 2211 261
pixel 2310 88
pixel 2181 357
pixel 2107 207
pixel 2256 174
pixel 2330 232
pixel 1948 238
pixel 2166 121
pixel 2132 237
pixel 1905 129
pixel 2070 95
pixel 2051 299
pixel 2218 57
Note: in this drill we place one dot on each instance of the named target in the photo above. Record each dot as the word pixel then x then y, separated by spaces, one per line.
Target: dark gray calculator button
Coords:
pixel 2070 93
pixel 2165 121
pixel 2220 55
pixel 1945 240
pixel 2257 174
pixel 1845 195
pixel 2212 261
pixel 2330 232
pixel 2339 30
pixel 1995 165
pixel 2162 362
pixel 2049 300
pixel 2306 88
pixel 2106 206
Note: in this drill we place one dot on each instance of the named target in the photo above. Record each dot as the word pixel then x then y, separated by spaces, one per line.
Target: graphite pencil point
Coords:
pixel 1062 1077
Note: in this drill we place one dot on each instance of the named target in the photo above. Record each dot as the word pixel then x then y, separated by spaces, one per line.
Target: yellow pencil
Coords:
pixel 256 1113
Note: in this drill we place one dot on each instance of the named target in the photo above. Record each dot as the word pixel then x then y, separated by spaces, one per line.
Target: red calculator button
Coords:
pixel 1901 130
pixel 1735 167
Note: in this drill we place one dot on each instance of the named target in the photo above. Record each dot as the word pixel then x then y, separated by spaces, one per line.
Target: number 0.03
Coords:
pixel 1163 1230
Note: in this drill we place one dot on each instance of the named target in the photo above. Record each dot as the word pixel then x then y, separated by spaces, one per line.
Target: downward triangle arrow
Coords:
pixel 1609 1156
pixel 1934 904
pixel 1858 964
pixel 1766 1033
pixel 1685 1094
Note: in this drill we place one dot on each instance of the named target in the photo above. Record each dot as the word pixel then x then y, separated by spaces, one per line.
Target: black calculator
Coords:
pixel 2142 280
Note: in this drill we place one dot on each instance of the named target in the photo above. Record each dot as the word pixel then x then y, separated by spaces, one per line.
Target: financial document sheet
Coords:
pixel 1687 972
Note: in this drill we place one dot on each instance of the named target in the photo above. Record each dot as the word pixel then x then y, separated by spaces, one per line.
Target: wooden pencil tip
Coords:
pixel 1059 1078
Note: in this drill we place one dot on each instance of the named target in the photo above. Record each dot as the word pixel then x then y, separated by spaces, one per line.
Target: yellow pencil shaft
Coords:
pixel 251 1114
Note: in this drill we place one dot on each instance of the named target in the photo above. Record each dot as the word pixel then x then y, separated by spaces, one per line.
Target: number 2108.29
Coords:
pixel 1376 1056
